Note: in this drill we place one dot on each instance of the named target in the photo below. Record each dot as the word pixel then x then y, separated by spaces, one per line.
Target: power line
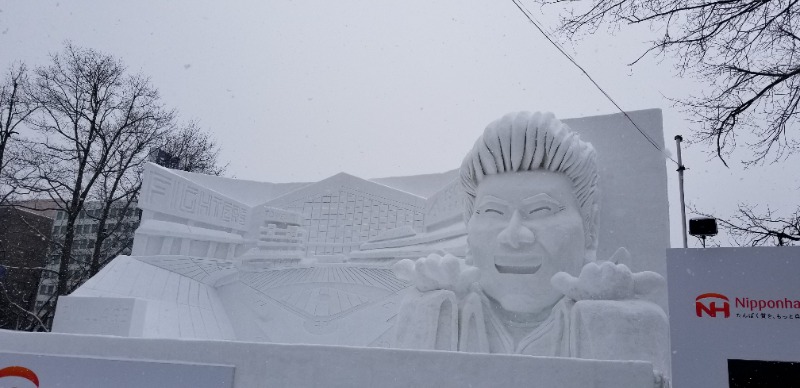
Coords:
pixel 531 19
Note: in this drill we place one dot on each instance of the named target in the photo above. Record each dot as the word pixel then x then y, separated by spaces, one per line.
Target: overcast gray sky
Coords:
pixel 300 90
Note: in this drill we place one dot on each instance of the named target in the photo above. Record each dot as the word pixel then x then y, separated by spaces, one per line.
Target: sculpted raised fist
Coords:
pixel 436 272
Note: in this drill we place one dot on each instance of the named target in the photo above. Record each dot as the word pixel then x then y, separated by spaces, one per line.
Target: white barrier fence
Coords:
pixel 65 360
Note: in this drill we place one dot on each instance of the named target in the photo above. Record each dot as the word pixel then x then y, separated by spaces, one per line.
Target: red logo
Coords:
pixel 20 371
pixel 711 304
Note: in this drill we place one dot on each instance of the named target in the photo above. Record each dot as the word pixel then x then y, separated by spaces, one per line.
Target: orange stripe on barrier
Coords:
pixel 20 371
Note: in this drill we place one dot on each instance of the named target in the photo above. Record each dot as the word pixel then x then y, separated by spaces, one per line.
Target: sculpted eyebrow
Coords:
pixel 489 198
pixel 541 197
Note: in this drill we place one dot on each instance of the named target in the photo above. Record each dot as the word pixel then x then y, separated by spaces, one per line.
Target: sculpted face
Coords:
pixel 525 227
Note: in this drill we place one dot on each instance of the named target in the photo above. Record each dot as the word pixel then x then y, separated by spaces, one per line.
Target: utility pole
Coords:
pixel 681 168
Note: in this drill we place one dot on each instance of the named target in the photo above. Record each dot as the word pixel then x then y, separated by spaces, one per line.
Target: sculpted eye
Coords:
pixel 540 210
pixel 492 208
pixel 488 211
pixel 545 210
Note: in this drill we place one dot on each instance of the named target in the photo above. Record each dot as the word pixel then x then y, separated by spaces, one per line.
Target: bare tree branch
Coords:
pixel 15 108
pixel 744 51
pixel 191 149
pixel 750 227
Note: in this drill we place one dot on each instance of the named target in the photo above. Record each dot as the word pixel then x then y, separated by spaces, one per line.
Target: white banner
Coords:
pixel 735 317
pixel 21 370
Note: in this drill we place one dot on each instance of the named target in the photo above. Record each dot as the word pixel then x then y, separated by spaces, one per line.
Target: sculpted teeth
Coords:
pixel 518 264
pixel 518 269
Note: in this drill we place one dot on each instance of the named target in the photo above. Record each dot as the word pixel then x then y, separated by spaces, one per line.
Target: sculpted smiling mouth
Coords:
pixel 518 264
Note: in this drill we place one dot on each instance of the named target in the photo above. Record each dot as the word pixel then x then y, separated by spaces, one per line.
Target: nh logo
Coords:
pixel 710 304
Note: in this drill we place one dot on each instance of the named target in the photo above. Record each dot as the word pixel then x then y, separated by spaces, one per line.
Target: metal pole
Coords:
pixel 681 167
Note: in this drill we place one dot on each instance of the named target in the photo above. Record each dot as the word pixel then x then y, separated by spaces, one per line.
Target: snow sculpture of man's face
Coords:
pixel 525 227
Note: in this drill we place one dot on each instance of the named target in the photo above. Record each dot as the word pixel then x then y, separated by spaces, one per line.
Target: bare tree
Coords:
pixel 745 52
pixel 751 227
pixel 15 108
pixel 90 113
pixel 191 149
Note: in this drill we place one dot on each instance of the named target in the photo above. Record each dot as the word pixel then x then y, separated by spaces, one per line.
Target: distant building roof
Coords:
pixel 420 185
pixel 248 192
pixel 254 193
pixel 42 207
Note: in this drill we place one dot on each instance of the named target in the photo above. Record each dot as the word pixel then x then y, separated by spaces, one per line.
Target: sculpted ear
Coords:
pixel 591 232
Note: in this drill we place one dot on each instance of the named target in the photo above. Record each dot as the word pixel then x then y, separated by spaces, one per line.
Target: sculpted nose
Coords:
pixel 516 234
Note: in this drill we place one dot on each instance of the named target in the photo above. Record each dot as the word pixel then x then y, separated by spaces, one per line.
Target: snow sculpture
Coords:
pixel 531 283
pixel 280 240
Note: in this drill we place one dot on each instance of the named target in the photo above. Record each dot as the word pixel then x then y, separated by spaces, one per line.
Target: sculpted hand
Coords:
pixel 437 273
pixel 607 280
